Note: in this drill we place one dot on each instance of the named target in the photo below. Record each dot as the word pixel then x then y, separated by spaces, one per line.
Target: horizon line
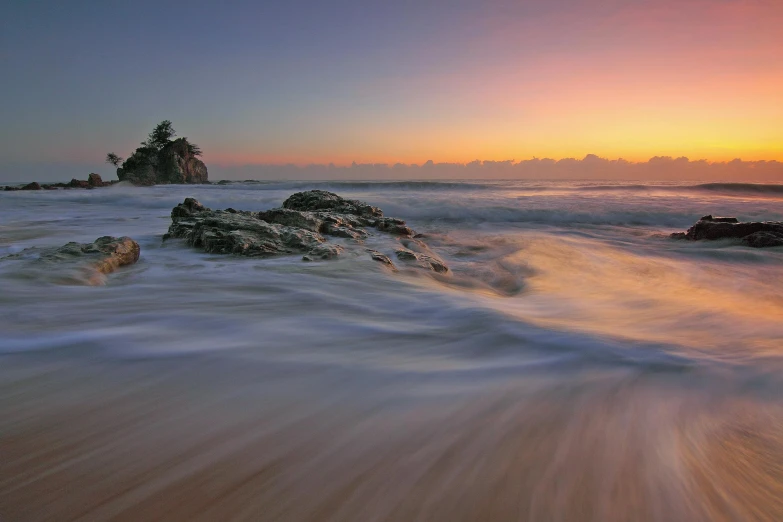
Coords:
pixel 588 158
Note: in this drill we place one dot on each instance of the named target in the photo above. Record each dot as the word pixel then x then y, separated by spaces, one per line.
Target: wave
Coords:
pixel 419 212
pixel 602 188
pixel 729 188
pixel 755 188
pixel 771 189
pixel 365 185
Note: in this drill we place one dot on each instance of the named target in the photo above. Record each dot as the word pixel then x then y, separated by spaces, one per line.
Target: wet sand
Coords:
pixel 196 438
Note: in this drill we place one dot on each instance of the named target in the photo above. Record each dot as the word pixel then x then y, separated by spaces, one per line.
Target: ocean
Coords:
pixel 576 363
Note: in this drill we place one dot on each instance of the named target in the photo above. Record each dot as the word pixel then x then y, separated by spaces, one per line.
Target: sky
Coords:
pixel 303 82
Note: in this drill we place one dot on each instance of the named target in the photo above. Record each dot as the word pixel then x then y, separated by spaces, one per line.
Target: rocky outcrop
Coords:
pixel 757 234
pixel 318 224
pixel 81 262
pixel 93 181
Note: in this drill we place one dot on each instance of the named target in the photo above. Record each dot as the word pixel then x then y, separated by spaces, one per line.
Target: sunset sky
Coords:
pixel 393 81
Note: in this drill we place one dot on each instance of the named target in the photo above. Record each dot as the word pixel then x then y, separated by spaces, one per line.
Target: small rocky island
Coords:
pixel 162 160
pixel 159 160
pixel 301 226
pixel 757 234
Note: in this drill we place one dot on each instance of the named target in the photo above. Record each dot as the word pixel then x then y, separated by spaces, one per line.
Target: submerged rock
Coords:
pixel 381 258
pixel 423 260
pixel 82 262
pixel 757 234
pixel 106 254
pixel 302 226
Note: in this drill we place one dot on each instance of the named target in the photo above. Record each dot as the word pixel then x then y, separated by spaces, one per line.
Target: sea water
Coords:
pixel 575 363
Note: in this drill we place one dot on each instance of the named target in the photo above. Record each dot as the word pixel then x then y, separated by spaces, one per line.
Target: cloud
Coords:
pixel 661 168
pixel 591 167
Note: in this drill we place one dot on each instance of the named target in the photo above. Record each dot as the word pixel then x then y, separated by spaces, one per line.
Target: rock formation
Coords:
pixel 81 262
pixel 757 234
pixel 300 226
pixel 93 181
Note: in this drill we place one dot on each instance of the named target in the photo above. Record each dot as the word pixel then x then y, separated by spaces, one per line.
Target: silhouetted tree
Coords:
pixel 193 148
pixel 113 159
pixel 161 135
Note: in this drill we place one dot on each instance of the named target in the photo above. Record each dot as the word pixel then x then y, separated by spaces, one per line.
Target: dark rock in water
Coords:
pixel 757 234
pixel 81 262
pixel 32 186
pixel 303 225
pixel 238 232
pixel 94 180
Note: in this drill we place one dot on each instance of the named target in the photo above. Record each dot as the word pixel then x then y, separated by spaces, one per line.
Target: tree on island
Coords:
pixel 161 135
pixel 113 159
pixel 162 159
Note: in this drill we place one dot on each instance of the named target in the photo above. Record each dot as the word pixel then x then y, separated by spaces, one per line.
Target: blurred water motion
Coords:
pixel 575 366
pixel 209 440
